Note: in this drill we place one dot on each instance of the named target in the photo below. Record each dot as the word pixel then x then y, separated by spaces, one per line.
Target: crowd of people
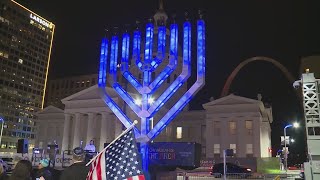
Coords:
pixel 23 169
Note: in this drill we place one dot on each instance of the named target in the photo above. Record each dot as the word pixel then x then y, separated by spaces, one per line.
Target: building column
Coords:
pixel 90 127
pixel 103 130
pixel 45 133
pixel 66 132
pixel 117 126
pixel 76 130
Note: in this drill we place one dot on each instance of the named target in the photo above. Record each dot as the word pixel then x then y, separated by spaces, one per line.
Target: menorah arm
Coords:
pixel 126 97
pixel 125 120
pixel 161 48
pixel 186 69
pixel 174 111
pixel 183 101
pixel 173 58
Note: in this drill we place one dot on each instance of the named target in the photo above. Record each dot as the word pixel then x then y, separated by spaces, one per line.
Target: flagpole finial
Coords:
pixel 135 122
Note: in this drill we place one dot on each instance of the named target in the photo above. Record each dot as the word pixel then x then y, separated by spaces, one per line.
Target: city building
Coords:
pixel 50 127
pixel 85 117
pixel 238 123
pixel 60 88
pixel 25 49
pixel 234 122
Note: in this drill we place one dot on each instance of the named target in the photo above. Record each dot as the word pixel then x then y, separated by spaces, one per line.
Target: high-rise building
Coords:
pixel 25 48
pixel 63 87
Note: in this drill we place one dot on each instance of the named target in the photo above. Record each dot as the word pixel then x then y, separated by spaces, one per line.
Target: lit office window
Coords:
pixel 249 149
pixel 179 132
pixel 20 61
pixel 232 127
pixel 234 147
pixel 249 125
pixel 216 148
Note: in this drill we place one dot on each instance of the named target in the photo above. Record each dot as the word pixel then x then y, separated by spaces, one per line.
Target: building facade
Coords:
pixel 85 117
pixel 63 87
pixel 238 123
pixel 51 126
pixel 25 48
pixel 234 122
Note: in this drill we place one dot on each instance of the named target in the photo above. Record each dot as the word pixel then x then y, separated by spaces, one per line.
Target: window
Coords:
pixel 249 125
pixel 232 127
pixel 249 149
pixel 168 131
pixel 179 132
pixel 203 150
pixel 216 148
pixel 216 128
pixel 203 134
pixel 234 147
pixel 20 61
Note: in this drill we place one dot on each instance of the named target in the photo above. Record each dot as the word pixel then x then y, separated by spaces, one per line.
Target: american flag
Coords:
pixel 120 161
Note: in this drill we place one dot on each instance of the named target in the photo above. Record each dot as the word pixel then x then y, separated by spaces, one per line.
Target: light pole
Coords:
pixel 2 123
pixel 295 125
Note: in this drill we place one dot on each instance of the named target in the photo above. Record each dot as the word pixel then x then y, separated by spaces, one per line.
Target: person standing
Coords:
pixel 90 151
pixel 78 170
pixel 90 147
pixel 43 170
pixel 3 174
pixel 22 171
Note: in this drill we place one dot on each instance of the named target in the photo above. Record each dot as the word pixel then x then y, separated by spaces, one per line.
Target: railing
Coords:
pixel 235 176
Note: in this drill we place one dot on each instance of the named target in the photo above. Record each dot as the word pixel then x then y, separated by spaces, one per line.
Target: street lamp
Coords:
pixel 295 125
pixel 2 123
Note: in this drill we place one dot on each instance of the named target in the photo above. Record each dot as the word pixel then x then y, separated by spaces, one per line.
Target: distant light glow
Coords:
pixel 138 101
pixel 296 125
pixel 150 100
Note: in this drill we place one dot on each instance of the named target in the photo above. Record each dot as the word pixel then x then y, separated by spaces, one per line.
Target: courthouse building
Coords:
pixel 234 122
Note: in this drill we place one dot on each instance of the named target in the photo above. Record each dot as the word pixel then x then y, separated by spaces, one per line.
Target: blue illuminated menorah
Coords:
pixel 145 110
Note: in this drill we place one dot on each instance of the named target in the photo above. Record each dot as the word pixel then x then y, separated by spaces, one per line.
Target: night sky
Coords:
pixel 284 30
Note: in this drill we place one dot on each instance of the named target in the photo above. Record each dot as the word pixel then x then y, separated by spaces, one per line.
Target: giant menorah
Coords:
pixel 147 86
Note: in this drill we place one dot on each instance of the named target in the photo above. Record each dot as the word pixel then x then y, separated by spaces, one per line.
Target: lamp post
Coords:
pixel 295 125
pixel 2 123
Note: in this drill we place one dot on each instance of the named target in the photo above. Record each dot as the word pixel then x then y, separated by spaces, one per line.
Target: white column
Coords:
pixel 45 132
pixel 76 130
pixel 103 130
pixel 66 132
pixel 90 127
pixel 110 127
pixel 118 126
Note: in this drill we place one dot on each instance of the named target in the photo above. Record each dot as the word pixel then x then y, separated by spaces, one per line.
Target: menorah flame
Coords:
pixel 148 86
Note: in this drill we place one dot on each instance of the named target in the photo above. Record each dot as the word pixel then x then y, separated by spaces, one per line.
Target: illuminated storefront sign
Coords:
pixel 41 21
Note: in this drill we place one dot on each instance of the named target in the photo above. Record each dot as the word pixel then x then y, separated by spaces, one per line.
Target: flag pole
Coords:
pixel 124 132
